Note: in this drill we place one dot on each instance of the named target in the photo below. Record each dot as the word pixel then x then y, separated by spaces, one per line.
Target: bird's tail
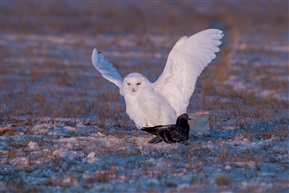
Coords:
pixel 151 130
pixel 157 139
pixel 154 130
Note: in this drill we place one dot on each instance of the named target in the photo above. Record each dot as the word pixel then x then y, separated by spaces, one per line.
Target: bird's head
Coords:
pixel 183 119
pixel 133 82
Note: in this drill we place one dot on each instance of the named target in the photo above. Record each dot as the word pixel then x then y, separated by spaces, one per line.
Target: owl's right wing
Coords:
pixel 106 69
pixel 186 61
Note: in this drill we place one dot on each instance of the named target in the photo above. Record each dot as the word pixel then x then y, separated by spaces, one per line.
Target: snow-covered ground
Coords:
pixel 64 128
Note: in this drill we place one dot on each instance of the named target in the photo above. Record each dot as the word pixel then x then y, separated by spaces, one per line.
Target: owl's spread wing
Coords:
pixel 186 61
pixel 106 69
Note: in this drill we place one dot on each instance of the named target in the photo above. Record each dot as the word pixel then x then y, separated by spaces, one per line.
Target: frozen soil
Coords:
pixel 64 128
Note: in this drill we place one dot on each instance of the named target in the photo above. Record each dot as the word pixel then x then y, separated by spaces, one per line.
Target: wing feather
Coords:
pixel 186 61
pixel 107 70
pixel 178 134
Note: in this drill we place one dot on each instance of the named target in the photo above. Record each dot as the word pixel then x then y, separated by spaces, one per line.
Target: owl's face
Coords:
pixel 133 82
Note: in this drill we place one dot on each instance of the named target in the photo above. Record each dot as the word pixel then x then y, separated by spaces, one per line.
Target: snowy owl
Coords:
pixel 161 102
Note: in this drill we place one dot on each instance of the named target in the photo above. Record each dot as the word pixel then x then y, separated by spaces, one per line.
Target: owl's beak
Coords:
pixel 133 90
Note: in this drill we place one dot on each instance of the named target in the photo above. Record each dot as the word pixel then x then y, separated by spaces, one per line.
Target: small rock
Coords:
pixel 91 155
pixel 33 145
pixel 227 167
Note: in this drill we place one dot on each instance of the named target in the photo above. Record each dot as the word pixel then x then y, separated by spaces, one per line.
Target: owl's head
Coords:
pixel 133 82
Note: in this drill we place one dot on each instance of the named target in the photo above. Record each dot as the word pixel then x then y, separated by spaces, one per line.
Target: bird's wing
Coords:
pixel 173 134
pixel 156 139
pixel 178 134
pixel 106 69
pixel 186 61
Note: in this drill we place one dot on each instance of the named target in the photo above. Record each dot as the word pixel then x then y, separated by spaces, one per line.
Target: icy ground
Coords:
pixel 64 128
pixel 57 155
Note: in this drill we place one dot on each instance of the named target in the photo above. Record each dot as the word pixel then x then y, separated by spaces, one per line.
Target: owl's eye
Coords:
pixel 128 84
pixel 138 83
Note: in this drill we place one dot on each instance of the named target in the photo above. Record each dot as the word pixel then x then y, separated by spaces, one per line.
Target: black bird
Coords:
pixel 171 133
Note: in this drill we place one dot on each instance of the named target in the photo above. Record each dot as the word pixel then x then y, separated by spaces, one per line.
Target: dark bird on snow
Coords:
pixel 171 133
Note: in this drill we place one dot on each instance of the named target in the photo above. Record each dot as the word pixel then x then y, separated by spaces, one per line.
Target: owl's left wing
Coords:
pixel 107 70
pixel 186 61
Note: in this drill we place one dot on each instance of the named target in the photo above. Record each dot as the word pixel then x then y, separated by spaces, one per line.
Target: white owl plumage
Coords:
pixel 160 103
